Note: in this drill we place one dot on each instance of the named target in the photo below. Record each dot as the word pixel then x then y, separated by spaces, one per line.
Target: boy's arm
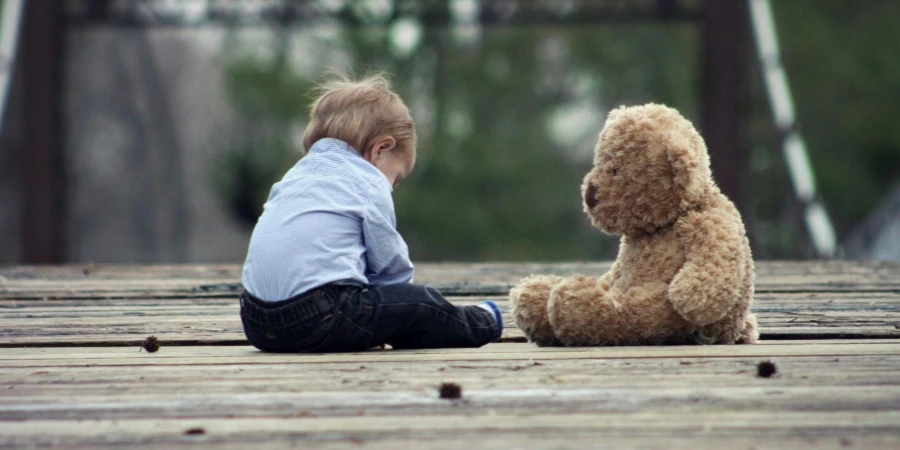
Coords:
pixel 387 257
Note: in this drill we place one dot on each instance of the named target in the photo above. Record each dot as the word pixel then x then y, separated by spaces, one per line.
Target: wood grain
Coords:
pixel 647 395
pixel 72 374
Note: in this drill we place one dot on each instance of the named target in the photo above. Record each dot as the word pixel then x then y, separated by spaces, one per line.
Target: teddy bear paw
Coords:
pixel 529 301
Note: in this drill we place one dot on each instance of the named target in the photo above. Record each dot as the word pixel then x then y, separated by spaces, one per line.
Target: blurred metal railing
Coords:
pixel 793 146
pixel 193 13
pixel 9 39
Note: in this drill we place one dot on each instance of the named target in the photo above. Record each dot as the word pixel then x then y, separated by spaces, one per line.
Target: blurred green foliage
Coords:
pixel 843 57
pixel 845 80
pixel 507 120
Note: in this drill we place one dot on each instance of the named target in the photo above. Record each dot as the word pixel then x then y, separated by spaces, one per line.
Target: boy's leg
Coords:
pixel 415 316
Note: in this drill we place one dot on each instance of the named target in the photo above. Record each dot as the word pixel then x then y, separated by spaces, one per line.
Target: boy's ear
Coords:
pixel 383 144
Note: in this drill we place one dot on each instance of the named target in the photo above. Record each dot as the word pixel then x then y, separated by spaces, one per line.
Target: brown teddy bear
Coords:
pixel 684 273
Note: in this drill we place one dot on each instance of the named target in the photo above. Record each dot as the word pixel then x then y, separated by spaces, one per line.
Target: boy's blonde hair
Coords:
pixel 359 113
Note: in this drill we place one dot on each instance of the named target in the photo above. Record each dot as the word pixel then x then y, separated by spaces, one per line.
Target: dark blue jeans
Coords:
pixel 342 318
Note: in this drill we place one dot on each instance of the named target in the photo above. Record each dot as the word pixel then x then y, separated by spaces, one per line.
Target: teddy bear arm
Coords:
pixel 607 279
pixel 708 284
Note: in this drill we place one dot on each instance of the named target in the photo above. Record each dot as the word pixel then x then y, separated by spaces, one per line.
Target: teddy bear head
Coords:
pixel 650 167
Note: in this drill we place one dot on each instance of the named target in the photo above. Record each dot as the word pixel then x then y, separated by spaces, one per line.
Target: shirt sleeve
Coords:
pixel 387 257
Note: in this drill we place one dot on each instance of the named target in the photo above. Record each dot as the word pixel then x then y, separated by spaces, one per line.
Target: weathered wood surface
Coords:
pixel 190 281
pixel 194 321
pixel 190 304
pixel 825 394
pixel 72 374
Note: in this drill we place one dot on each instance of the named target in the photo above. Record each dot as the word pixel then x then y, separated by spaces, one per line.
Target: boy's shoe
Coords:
pixel 492 307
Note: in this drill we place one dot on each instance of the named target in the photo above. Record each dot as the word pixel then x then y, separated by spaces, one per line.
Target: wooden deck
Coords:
pixel 73 374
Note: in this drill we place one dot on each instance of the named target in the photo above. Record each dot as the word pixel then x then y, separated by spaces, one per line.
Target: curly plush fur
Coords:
pixel 684 273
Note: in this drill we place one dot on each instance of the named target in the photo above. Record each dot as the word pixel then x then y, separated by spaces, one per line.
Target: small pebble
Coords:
pixel 151 344
pixel 766 369
pixel 450 390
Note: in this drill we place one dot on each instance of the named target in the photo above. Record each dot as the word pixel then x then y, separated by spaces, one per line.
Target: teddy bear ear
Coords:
pixel 627 113
pixel 610 127
pixel 688 158
pixel 615 112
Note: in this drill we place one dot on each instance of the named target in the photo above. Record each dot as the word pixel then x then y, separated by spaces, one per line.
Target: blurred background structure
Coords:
pixel 151 130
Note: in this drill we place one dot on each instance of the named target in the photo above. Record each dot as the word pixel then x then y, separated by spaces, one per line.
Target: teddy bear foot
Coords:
pixel 529 307
pixel 585 312
pixel 750 333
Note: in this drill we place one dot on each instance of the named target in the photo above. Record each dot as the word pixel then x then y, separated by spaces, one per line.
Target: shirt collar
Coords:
pixel 331 144
pixel 328 145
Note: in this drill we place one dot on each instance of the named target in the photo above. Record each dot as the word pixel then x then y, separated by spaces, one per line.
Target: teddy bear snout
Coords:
pixel 590 196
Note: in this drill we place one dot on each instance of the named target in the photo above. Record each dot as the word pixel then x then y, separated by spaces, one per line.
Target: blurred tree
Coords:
pixel 514 115
pixel 508 117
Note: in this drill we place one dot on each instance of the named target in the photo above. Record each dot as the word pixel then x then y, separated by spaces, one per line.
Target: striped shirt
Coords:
pixel 329 220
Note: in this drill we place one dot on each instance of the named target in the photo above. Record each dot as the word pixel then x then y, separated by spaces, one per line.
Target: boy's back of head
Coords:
pixel 359 113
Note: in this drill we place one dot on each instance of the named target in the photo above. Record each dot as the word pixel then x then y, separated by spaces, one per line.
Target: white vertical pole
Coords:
pixel 9 36
pixel 792 146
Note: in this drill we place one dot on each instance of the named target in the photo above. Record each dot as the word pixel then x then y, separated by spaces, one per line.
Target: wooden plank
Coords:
pixel 623 396
pixel 493 439
pixel 126 356
pixel 869 381
pixel 663 426
pixel 642 423
pixel 216 321
pixel 277 397
pixel 79 281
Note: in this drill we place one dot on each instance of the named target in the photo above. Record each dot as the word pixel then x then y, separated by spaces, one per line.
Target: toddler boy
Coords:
pixel 326 269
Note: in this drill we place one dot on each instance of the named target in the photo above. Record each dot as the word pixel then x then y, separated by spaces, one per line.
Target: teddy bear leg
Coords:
pixel 529 307
pixel 750 333
pixel 584 311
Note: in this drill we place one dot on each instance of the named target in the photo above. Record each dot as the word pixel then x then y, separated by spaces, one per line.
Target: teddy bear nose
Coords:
pixel 590 196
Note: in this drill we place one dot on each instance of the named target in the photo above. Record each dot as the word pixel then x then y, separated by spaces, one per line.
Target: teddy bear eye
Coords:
pixel 614 171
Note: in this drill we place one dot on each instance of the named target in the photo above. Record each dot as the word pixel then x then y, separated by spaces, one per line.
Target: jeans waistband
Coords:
pixel 286 312
pixel 315 303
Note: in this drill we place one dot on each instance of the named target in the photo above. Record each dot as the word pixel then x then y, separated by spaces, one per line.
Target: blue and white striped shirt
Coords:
pixel 329 220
